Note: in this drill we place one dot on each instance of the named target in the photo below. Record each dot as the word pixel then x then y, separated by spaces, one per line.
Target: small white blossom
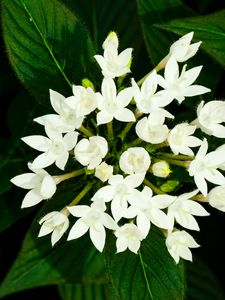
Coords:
pixel 161 169
pixel 42 186
pixel 151 128
pixel 66 119
pixel 104 171
pixel 112 105
pixel 90 152
pixel 180 139
pixel 183 209
pixel 56 147
pixel 210 116
pixel 147 208
pixel 182 49
pixel 56 223
pixel 128 236
pixel 181 85
pixel 134 160
pixel 84 100
pixel 147 99
pixel 178 244
pixel 216 197
pixel 204 167
pixel 113 64
pixel 117 191
pixel 94 219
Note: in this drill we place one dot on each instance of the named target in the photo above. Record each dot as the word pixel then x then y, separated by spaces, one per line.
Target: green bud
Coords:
pixel 87 83
pixel 169 186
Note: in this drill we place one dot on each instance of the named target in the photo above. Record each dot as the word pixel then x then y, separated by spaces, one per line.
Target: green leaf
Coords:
pixel 151 12
pixel 39 264
pixel 85 292
pixel 202 283
pixel 150 275
pixel 209 28
pixel 47 45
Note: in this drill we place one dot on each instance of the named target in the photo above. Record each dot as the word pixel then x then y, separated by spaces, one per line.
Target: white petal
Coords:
pixel 195 90
pixel 191 75
pixel 101 61
pixel 121 244
pixel 62 160
pixel 160 219
pixel 134 180
pixel 109 89
pixel 187 221
pixel 125 56
pixel 215 177
pixel 124 97
pixel 43 160
pixel 33 197
pixel 108 222
pixel 106 193
pixel 197 209
pixel 104 117
pixel 185 253
pixel 38 142
pixel 70 139
pixel 143 224
pixel 25 181
pixel 48 187
pixel 171 70
pixel 125 115
pixel 201 184
pixel 78 229
pixel 162 201
pixel 44 230
pixel 134 245
pixel 56 101
pixel 79 210
pixel 98 237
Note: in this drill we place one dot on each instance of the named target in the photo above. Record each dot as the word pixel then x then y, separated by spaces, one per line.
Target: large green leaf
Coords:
pixel 202 283
pixel 39 264
pixel 150 275
pixel 85 292
pixel 151 12
pixel 209 28
pixel 47 45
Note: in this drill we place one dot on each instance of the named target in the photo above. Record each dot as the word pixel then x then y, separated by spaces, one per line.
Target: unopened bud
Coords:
pixel 161 169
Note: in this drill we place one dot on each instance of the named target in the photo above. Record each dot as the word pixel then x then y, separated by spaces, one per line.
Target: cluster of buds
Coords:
pixel 121 144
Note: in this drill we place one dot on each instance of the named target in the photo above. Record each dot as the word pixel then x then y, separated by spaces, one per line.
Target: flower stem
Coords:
pixel 81 194
pixel 176 162
pixel 110 131
pixel 153 187
pixel 174 156
pixel 60 178
pixel 135 143
pixel 200 198
pixel 126 130
pixel 85 131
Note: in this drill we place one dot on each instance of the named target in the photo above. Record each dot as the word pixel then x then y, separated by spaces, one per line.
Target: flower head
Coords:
pixel 42 186
pixel 55 223
pixel 178 244
pixel 216 197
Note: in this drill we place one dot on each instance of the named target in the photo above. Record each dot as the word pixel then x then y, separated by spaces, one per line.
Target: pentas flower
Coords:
pixel 42 186
pixel 148 209
pixel 181 85
pixel 103 171
pixel 182 49
pixel 118 191
pixel 55 223
pixel 161 169
pixel 216 197
pixel 90 152
pixel 178 244
pixel 128 236
pixel 56 147
pixel 204 167
pixel 146 97
pixel 114 64
pixel 94 219
pixel 180 139
pixel 112 105
pixel 66 119
pixel 134 160
pixel 210 117
pixel 182 210
pixel 151 129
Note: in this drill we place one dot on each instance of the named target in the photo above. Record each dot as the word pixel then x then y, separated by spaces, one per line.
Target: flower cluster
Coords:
pixel 120 142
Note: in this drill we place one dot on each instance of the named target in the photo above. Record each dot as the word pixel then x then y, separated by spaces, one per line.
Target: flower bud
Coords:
pixel 87 83
pixel 216 197
pixel 111 41
pixel 161 169
pixel 103 171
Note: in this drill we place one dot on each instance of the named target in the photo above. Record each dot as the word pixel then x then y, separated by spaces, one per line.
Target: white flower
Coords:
pixel 90 152
pixel 151 128
pixel 134 160
pixel 204 167
pixel 103 171
pixel 112 105
pixel 183 209
pixel 117 191
pixel 148 209
pixel 182 49
pixel 42 186
pixel 128 236
pixel 181 85
pixel 147 99
pixel 210 116
pixel 56 147
pixel 84 100
pixel 180 139
pixel 178 244
pixel 216 197
pixel 112 64
pixel 94 219
pixel 66 119
pixel 161 169
pixel 56 223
